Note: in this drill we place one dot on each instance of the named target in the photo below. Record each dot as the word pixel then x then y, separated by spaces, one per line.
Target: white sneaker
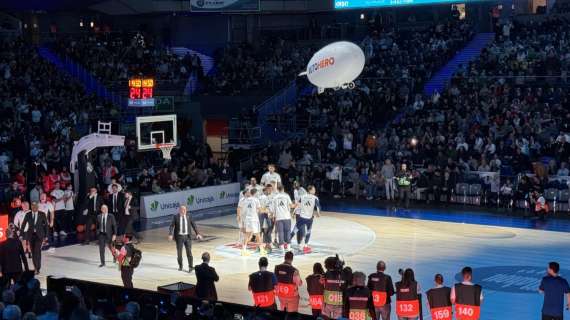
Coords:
pixel 51 250
pixel 55 234
pixel 62 233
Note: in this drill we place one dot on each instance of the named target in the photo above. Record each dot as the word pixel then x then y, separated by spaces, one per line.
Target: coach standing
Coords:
pixel 106 233
pixel 554 288
pixel 180 232
pixel 37 225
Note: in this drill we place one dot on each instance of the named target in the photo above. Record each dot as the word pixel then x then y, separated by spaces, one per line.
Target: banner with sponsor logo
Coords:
pixel 165 204
pixel 224 5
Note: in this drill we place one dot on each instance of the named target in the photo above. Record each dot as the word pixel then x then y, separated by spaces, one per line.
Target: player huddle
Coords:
pixel 265 209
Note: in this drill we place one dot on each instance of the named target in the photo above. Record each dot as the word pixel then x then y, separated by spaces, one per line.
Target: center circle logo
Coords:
pixel 514 279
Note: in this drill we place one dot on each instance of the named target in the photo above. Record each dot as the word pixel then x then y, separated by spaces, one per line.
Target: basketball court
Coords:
pixel 508 261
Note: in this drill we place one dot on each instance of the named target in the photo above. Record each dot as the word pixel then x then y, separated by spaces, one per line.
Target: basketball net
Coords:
pixel 166 148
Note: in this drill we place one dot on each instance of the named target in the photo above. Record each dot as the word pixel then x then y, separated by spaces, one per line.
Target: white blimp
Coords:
pixel 335 66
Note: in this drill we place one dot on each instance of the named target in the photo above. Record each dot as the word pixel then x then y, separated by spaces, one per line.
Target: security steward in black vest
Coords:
pixel 288 281
pixel 467 297
pixel 357 303
pixel 439 300
pixel 316 288
pixel 262 286
pixel 407 296
pixel 382 289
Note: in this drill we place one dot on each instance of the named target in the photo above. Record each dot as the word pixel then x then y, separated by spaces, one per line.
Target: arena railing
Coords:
pixel 164 301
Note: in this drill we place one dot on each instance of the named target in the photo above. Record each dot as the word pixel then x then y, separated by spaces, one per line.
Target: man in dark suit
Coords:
pixel 12 257
pixel 116 201
pixel 127 216
pixel 206 277
pixel 38 228
pixel 180 231
pixel 94 203
pixel 106 232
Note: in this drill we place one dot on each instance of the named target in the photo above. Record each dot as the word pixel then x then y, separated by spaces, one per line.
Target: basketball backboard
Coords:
pixel 156 130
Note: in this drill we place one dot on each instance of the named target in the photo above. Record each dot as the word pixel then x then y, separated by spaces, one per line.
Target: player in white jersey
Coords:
pixel 310 207
pixel 248 212
pixel 266 215
pixel 47 207
pixel 298 192
pixel 242 196
pixel 282 206
pixel 270 175
pixel 59 203
pixel 18 221
pixel 253 185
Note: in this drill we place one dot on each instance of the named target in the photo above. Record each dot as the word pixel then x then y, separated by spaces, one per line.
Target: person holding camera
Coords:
pixel 334 284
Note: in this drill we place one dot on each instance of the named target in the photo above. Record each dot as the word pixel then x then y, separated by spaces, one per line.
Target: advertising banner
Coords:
pixel 166 204
pixel 362 4
pixel 224 5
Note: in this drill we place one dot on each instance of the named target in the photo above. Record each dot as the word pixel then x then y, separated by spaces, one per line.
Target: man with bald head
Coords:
pixel 180 232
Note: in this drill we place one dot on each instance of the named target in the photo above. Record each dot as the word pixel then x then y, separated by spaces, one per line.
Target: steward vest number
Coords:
pixel 467 312
pixel 443 313
pixel 264 299
pixel 408 308
pixel 358 314
pixel 379 298
pixel 333 297
pixel 316 302
pixel 286 290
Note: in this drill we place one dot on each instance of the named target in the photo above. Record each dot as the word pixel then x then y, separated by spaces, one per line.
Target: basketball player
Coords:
pixel 298 192
pixel 270 175
pixel 282 206
pixel 47 207
pixel 308 204
pixel 243 195
pixel 253 185
pixel 248 212
pixel 266 216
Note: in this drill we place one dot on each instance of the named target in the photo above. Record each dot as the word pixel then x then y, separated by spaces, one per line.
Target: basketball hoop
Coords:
pixel 166 148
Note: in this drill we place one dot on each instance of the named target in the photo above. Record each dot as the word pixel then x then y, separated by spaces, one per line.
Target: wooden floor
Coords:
pixel 509 262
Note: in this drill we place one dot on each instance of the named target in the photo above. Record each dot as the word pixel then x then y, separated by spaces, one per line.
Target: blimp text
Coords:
pixel 324 63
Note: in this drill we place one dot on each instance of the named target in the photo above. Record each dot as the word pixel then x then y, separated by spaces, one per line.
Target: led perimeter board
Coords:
pixel 363 4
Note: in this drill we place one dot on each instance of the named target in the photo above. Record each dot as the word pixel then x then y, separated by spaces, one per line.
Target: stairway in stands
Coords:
pixel 471 51
pixel 91 84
